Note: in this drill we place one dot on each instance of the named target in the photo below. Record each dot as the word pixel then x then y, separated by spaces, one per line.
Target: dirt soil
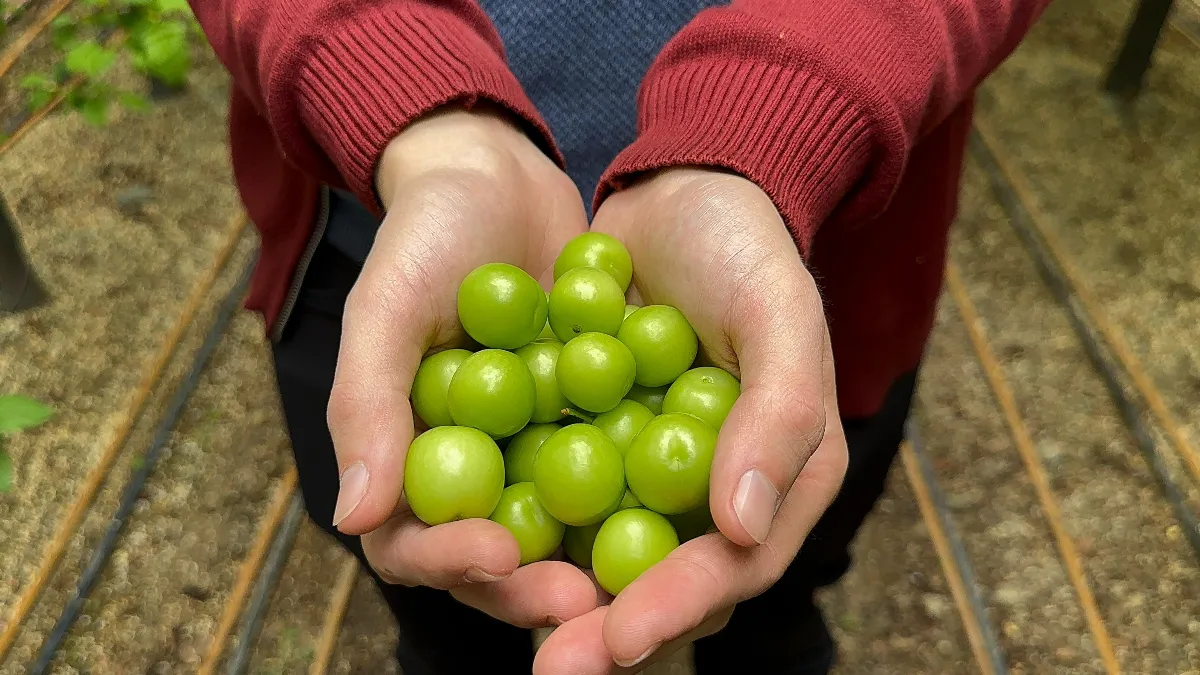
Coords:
pixel 893 612
pixel 119 274
pixel 1118 189
pixel 294 620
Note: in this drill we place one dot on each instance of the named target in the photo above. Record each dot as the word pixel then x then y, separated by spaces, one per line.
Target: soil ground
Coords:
pixel 134 229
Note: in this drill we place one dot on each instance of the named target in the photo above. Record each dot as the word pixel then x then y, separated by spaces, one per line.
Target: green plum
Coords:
pixel 651 397
pixel 629 309
pixel 585 300
pixel 623 422
pixel 547 332
pixel 692 524
pixel 541 357
pixel 629 501
pixel 598 250
pixel 595 371
pixel 662 342
pixel 578 475
pixel 492 391
pixel 538 534
pixel 669 463
pixel 629 543
pixel 521 451
pixel 452 473
pixel 706 392
pixel 431 385
pixel 577 543
pixel 501 306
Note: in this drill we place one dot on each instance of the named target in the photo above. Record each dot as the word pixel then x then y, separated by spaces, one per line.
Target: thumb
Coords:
pixel 385 331
pixel 778 333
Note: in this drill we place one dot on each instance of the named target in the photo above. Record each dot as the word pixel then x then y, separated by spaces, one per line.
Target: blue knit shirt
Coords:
pixel 581 64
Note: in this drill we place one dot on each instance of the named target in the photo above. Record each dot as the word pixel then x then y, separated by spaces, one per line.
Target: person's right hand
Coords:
pixel 460 189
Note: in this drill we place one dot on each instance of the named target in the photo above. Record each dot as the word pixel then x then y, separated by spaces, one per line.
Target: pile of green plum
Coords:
pixel 608 428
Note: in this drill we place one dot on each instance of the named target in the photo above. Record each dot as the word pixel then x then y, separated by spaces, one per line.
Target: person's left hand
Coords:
pixel 713 245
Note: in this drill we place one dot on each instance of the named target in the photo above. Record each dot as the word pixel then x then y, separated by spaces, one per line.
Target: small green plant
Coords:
pixel 154 35
pixel 17 413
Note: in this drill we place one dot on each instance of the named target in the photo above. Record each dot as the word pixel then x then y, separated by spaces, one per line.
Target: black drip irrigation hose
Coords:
pixel 1064 292
pixel 239 661
pixel 966 574
pixel 133 488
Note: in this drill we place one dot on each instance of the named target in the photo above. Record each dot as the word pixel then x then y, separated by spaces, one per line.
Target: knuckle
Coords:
pixel 347 400
pixel 708 574
pixel 375 552
pixel 800 410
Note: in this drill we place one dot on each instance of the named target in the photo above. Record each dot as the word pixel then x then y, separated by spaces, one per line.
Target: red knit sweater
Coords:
pixel 851 114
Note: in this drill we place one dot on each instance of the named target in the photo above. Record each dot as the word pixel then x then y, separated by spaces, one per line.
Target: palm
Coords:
pixel 437 231
pixel 692 252
pixel 461 189
pixel 714 246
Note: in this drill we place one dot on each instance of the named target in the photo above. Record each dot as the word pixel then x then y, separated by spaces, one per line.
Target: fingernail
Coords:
pixel 478 576
pixel 755 502
pixel 645 655
pixel 353 487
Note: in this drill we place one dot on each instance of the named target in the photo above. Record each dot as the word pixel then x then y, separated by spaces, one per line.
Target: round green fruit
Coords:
pixel 662 342
pixel 629 543
pixel 452 473
pixel 586 300
pixel 522 450
pixel 629 309
pixel 692 524
pixel 577 543
pixel 492 391
pixel 501 306
pixel 595 371
pixel 651 397
pixel 431 385
pixel 708 393
pixel 578 475
pixel 598 250
pixel 541 357
pixel 538 534
pixel 623 423
pixel 669 463
pixel 629 501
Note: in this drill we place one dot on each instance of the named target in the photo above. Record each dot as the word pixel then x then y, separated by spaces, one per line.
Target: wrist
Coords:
pixel 482 139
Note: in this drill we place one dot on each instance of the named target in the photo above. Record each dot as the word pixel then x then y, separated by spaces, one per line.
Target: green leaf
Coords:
pixel 174 6
pixel 94 110
pixel 133 101
pixel 90 59
pixel 63 30
pixel 6 471
pixel 38 100
pixel 21 412
pixel 36 82
pixel 161 50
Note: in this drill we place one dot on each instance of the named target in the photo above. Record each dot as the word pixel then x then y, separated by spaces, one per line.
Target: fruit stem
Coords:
pixel 578 414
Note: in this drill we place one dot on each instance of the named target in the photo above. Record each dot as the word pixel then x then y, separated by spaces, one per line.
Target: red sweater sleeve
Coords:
pixel 338 79
pixel 819 102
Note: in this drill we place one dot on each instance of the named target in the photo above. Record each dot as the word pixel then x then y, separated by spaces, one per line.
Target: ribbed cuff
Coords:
pixel 786 130
pixel 378 69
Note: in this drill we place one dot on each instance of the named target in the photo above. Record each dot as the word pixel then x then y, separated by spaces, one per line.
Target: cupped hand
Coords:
pixel 460 189
pixel 713 245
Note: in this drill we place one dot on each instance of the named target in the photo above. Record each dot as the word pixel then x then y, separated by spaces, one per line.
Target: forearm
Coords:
pixel 819 103
pixel 337 80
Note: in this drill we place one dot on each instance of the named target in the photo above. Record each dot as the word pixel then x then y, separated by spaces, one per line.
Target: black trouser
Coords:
pixel 780 632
